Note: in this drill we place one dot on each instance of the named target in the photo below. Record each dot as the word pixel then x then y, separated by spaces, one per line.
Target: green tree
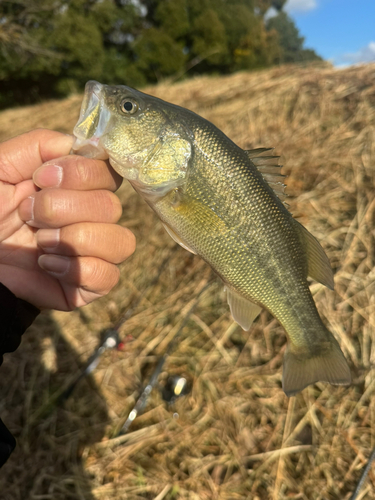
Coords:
pixel 214 36
pixel 250 45
pixel 208 38
pixel 264 5
pixel 52 47
pixel 290 41
pixel 158 54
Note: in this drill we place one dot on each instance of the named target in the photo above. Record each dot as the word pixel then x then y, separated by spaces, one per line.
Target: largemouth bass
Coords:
pixel 226 205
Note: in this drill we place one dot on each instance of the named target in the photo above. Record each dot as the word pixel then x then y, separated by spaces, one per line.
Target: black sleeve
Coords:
pixel 15 316
pixel 7 443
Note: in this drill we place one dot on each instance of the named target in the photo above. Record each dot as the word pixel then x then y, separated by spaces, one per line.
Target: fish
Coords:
pixel 226 205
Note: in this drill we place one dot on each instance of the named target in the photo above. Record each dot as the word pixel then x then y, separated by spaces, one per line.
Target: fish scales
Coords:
pixel 215 202
pixel 267 225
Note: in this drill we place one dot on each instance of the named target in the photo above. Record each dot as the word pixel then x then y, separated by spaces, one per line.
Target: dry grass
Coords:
pixel 237 435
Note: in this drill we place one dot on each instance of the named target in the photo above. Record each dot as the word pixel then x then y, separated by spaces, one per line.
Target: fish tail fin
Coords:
pixel 323 362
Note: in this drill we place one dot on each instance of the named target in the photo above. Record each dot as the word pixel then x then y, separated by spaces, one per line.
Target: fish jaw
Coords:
pixel 92 123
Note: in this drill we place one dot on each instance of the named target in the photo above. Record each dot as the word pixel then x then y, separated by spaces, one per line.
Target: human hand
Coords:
pixel 58 244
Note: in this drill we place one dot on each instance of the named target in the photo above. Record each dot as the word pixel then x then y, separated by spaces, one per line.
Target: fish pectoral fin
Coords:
pixel 326 364
pixel 319 267
pixel 243 310
pixel 268 166
pixel 177 239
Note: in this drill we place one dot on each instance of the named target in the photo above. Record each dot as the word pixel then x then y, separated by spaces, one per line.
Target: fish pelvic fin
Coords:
pixel 324 363
pixel 243 310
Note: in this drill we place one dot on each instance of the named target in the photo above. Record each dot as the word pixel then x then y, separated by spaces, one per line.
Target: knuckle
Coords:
pixel 117 207
pixel 46 207
pixel 82 171
pixel 128 242
pixel 110 205
pixel 102 275
pixel 120 244
pixel 115 276
pixel 80 238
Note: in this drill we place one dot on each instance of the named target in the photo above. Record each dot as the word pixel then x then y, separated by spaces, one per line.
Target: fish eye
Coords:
pixel 128 106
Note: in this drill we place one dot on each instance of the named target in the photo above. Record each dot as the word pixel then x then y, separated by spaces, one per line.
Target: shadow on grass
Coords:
pixel 51 440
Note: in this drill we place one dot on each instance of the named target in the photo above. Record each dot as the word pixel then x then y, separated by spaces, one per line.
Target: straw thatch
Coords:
pixel 236 435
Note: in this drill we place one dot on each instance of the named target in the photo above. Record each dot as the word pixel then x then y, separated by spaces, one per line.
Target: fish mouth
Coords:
pixel 92 123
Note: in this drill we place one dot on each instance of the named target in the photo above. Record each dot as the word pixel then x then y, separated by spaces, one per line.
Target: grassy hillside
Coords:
pixel 237 435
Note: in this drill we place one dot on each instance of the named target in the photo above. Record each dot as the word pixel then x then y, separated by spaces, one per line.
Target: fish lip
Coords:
pixel 90 146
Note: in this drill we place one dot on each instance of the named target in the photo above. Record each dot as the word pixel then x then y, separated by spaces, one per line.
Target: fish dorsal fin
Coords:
pixel 255 153
pixel 268 166
pixel 319 267
pixel 177 239
pixel 243 311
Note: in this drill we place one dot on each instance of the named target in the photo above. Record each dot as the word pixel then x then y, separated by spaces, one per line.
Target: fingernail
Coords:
pixel 26 210
pixel 48 176
pixel 48 239
pixel 54 264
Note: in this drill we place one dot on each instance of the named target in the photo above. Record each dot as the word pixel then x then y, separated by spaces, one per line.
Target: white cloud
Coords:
pixel 271 12
pixel 299 5
pixel 291 7
pixel 365 54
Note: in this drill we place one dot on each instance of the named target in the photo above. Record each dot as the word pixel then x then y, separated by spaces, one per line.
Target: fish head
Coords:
pixel 138 133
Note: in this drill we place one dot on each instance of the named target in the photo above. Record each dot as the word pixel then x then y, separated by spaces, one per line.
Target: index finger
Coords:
pixel 20 156
pixel 78 173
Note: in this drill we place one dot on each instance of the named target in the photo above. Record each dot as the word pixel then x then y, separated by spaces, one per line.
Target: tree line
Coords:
pixel 50 48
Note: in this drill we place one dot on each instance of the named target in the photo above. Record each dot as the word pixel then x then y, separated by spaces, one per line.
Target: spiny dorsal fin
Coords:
pixel 319 267
pixel 268 166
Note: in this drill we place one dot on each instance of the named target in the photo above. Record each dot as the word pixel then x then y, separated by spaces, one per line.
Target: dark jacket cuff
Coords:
pixel 15 317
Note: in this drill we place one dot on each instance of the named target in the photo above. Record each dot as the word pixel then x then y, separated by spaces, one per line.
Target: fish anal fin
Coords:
pixel 319 267
pixel 177 239
pixel 268 166
pixel 243 310
pixel 301 368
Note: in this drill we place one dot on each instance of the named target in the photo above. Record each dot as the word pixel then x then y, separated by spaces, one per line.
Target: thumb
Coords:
pixel 20 156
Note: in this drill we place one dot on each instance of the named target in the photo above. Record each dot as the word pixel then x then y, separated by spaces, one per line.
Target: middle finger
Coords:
pixel 53 208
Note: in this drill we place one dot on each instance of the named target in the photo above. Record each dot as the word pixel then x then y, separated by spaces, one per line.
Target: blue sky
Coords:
pixel 342 31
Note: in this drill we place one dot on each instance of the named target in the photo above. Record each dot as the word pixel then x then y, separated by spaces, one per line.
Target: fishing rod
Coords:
pixel 110 338
pixel 362 479
pixel 180 386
